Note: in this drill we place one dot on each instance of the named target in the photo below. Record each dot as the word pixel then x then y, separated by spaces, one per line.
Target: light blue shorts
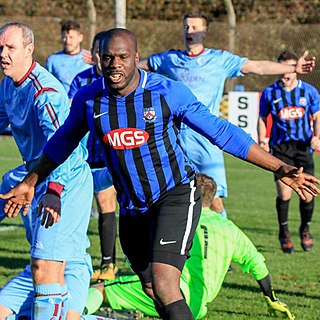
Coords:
pixel 205 158
pixel 67 239
pixel 78 274
pixel 17 295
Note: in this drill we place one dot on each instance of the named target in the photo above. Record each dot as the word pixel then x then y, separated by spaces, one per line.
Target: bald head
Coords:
pixel 121 33
pixel 27 33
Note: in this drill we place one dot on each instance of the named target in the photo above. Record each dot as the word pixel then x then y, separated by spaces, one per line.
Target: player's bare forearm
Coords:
pixel 302 183
pixel 264 67
pixel 41 171
pixel 263 159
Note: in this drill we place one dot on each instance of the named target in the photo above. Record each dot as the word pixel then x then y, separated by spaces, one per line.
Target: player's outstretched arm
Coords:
pixel 275 306
pixel 265 67
pixel 302 183
pixel 22 195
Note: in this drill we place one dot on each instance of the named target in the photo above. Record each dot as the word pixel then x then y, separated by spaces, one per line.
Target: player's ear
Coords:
pixel 29 49
pixel 137 58
pixel 80 37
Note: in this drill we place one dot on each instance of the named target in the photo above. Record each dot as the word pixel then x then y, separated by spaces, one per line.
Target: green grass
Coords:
pixel 251 205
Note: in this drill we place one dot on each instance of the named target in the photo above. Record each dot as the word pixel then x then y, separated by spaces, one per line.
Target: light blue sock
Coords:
pixel 224 213
pixel 64 303
pixel 47 302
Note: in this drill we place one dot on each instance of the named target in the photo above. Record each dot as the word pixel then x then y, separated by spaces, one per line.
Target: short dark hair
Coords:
pixel 287 55
pixel 196 14
pixel 68 25
pixel 208 188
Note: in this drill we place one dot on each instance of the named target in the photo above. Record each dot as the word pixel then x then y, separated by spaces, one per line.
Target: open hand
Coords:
pixel 302 183
pixel 18 197
pixel 305 66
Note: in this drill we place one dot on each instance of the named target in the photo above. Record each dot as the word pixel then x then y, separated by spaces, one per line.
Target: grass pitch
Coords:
pixel 251 205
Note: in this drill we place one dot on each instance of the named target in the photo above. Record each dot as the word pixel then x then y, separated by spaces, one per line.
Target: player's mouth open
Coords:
pixel 4 64
pixel 115 77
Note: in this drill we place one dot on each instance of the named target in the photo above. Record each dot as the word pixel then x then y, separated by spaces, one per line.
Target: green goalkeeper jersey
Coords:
pixel 217 242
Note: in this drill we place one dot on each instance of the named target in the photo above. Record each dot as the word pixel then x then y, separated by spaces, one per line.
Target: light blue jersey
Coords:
pixel 66 66
pixel 35 108
pixel 205 74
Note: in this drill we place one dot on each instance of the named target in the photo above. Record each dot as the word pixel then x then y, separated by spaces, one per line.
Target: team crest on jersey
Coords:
pixel 303 101
pixel 149 115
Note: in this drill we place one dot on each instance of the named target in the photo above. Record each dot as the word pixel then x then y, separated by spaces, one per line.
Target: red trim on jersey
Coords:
pixel 196 55
pixel 33 65
pixel 38 86
pixel 62 307
pixel 53 115
pixel 54 188
pixel 56 310
pixel 42 90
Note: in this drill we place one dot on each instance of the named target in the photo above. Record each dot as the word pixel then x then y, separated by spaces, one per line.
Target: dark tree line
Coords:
pixel 274 11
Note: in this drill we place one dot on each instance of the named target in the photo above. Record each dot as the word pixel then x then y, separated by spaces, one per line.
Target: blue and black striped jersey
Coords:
pixel 95 151
pixel 290 110
pixel 82 79
pixel 140 135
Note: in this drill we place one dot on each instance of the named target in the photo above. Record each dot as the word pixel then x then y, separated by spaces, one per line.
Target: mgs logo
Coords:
pixel 126 138
pixel 291 113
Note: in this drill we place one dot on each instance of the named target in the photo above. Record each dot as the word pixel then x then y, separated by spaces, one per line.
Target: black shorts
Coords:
pixel 97 164
pixel 164 233
pixel 295 153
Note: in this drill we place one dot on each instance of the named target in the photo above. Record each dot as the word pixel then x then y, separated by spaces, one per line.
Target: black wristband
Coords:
pixel 265 286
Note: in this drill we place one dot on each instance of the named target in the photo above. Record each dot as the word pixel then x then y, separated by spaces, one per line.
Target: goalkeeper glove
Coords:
pixel 275 305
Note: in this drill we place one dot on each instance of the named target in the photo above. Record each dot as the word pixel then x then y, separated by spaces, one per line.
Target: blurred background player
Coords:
pixel 205 71
pixel 217 242
pixel 294 106
pixel 35 104
pixel 66 64
pixel 106 199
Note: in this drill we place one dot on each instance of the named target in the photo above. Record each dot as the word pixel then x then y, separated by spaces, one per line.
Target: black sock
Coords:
pixel 159 309
pixel 306 211
pixel 177 310
pixel 107 232
pixel 282 211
